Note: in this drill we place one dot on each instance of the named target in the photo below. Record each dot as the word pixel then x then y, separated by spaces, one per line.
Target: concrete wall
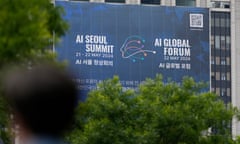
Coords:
pixel 133 1
pixel 235 54
pixel 97 0
pixel 168 2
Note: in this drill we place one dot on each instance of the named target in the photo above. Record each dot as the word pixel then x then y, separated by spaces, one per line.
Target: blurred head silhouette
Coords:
pixel 42 98
pixel 1 142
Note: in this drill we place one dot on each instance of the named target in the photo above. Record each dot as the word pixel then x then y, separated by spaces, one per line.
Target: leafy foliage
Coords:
pixel 27 27
pixel 156 113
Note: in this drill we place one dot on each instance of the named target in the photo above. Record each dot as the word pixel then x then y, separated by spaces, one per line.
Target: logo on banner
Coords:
pixel 133 48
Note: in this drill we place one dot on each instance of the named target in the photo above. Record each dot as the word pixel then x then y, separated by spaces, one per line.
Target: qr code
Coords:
pixel 196 20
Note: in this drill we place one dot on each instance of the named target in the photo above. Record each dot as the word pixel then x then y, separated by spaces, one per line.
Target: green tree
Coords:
pixel 28 29
pixel 156 113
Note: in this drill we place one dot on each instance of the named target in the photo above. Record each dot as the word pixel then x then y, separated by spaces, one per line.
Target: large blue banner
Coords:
pixel 134 42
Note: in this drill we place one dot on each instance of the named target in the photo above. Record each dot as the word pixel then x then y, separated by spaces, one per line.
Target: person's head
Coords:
pixel 42 97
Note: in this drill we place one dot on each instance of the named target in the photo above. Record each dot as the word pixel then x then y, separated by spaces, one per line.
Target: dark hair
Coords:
pixel 44 96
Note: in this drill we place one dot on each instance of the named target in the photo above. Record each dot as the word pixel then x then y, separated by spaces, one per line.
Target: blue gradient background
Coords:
pixel 117 22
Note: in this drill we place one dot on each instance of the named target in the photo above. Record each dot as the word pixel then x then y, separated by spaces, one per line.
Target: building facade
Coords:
pixel 225 44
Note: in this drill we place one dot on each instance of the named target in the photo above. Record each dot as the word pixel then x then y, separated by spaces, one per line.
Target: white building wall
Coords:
pixel 97 0
pixel 202 3
pixel 133 1
pixel 235 54
pixel 168 2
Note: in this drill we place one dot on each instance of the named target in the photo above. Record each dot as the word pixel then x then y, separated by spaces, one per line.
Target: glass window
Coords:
pixel 223 92
pixel 212 60
pixel 228 76
pixel 217 42
pixel 228 39
pixel 228 46
pixel 217 23
pixel 213 78
pixel 228 60
pixel 115 1
pixel 216 4
pixel 223 42
pixel 212 21
pixel 222 38
pixel 223 76
pixel 220 4
pixel 227 22
pixel 228 92
pixel 212 45
pixel 217 61
pixel 223 22
pixel 225 4
pixel 223 61
pixel 218 91
pixel 186 2
pixel 217 75
pixel 212 39
pixel 212 73
pixel 213 89
pixel 157 2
